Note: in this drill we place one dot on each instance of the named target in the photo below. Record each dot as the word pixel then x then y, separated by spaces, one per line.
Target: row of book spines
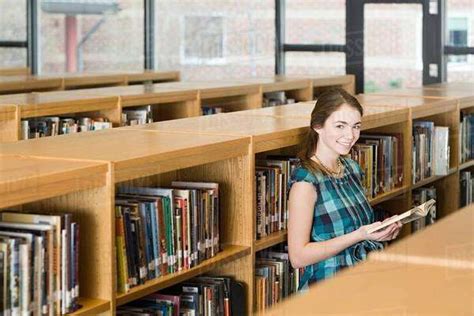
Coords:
pixel 381 159
pixel 53 126
pixel 204 295
pixel 275 280
pixel 431 151
pixel 466 133
pixel 166 237
pixel 271 182
pixel 40 263
pixel 466 188
pixel 420 196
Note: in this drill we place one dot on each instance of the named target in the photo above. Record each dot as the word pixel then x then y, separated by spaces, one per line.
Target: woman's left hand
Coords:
pixel 396 229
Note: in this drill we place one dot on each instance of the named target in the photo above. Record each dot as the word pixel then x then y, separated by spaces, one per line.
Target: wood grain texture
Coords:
pixel 9 123
pixel 93 210
pixel 91 306
pixel 17 71
pixel 18 84
pixel 24 179
pixel 149 153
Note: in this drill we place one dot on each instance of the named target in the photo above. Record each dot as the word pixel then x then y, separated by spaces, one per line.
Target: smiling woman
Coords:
pixel 329 213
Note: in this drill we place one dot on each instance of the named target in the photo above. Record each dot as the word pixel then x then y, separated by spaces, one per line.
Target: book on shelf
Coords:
pixel 40 254
pixel 466 185
pixel 466 135
pixel 203 295
pixel 276 98
pixel 381 160
pixel 275 278
pixel 431 151
pixel 209 110
pixel 137 115
pixel 420 196
pixel 271 181
pixel 164 230
pixel 52 126
pixel 415 213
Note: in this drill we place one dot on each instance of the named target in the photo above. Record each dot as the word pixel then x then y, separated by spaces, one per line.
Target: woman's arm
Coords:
pixel 302 252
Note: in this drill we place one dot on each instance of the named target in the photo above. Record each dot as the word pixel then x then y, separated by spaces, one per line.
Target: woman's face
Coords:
pixel 340 131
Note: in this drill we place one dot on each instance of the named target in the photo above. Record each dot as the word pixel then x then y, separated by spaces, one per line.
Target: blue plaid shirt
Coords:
pixel 341 208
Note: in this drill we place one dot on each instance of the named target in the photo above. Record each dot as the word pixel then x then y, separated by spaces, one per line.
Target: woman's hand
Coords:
pixel 388 233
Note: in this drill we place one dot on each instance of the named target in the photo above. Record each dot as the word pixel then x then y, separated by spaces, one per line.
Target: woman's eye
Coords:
pixel 340 126
pixel 357 127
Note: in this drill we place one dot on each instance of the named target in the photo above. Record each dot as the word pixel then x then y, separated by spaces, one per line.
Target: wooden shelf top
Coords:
pixel 78 80
pixel 152 75
pixel 420 107
pixel 215 89
pixel 91 306
pixel 267 132
pixel 58 102
pixel 465 97
pixel 26 179
pixel 26 83
pixel 271 240
pixel 143 94
pixel 456 85
pixel 135 153
pixel 331 80
pixel 375 288
pixel 228 254
pixel 448 242
pixel 279 83
pixel 16 71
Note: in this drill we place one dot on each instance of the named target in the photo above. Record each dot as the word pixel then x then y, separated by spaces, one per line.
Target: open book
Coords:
pixel 410 215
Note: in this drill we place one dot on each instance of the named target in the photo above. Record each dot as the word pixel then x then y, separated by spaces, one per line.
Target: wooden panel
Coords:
pixel 153 76
pixel 84 80
pixel 94 211
pixel 91 306
pixel 271 240
pixel 228 254
pixel 24 179
pixel 375 288
pixel 9 123
pixel 16 84
pixel 143 94
pixel 18 71
pixel 149 153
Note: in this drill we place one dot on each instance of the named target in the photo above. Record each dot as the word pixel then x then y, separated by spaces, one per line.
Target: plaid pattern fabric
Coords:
pixel 341 208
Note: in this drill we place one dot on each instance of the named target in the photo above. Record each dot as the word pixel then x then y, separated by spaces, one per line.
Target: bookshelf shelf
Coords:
pixel 429 180
pixel 387 196
pixel 270 240
pixel 91 306
pixel 152 76
pixel 227 255
pixel 322 82
pixel 466 164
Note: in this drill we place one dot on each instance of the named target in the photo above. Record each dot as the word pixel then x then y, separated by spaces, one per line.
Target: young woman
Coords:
pixel 329 213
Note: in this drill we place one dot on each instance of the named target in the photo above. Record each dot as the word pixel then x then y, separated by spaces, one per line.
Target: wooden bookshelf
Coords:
pixel 230 95
pixel 299 89
pixel 347 82
pixel 19 83
pixel 58 186
pixel 152 76
pixel 26 83
pixel 9 126
pixel 167 103
pixel 221 148
pixel 17 71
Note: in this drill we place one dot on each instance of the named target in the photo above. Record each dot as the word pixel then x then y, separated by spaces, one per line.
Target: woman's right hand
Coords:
pixel 388 233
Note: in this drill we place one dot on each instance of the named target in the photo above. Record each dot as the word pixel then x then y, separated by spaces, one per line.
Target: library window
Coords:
pixel 457 37
pixel 203 39
pixel 12 29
